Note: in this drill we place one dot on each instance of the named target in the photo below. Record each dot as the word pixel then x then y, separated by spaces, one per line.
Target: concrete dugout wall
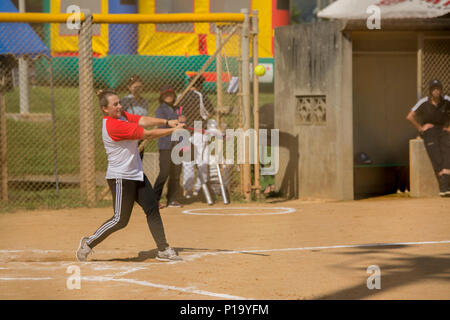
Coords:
pixel 313 111
pixel 341 89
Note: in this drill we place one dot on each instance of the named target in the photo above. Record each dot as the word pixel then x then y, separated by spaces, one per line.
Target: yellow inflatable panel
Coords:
pixel 66 44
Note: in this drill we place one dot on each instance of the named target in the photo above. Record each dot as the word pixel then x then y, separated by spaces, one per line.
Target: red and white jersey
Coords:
pixel 120 138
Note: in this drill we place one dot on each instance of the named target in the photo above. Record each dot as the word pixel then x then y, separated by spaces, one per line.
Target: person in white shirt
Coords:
pixel 121 133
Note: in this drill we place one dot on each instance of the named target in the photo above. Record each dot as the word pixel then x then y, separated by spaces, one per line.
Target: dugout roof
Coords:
pixel 389 9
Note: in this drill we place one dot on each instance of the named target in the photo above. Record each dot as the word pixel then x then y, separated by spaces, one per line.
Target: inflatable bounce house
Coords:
pixel 151 50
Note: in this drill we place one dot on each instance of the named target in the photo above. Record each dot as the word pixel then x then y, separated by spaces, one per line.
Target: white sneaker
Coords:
pixel 168 255
pixel 83 250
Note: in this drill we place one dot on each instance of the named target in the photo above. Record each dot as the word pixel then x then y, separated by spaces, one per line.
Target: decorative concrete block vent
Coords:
pixel 311 110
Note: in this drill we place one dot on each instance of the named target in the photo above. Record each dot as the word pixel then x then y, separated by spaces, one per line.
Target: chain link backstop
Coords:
pixel 52 153
pixel 436 62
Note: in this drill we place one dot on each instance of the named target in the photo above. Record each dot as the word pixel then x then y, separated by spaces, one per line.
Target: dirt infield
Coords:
pixel 309 250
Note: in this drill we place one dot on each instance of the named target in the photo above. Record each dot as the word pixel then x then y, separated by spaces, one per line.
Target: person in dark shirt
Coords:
pixel 196 107
pixel 431 117
pixel 167 168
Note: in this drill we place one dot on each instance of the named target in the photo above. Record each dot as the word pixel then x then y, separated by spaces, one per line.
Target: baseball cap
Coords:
pixel 362 158
pixel 166 89
pixel 435 84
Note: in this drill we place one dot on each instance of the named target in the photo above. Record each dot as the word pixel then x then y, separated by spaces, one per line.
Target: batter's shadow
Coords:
pixel 143 256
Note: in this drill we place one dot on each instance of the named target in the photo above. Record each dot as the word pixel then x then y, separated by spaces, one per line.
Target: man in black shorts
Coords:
pixel 431 116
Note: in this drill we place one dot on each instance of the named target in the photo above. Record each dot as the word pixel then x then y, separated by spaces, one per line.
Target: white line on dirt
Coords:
pixel 120 274
pixel 97 265
pixel 24 278
pixel 166 287
pixel 196 256
pixel 369 245
pixel 199 212
pixel 188 258
pixel 31 250
pixel 127 269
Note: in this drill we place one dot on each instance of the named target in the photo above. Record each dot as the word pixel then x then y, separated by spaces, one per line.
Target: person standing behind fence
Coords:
pixel 431 116
pixel 167 168
pixel 126 179
pixel 134 103
pixel 196 107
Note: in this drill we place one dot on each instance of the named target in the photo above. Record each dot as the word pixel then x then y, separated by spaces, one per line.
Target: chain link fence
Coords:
pixel 47 102
pixel 436 62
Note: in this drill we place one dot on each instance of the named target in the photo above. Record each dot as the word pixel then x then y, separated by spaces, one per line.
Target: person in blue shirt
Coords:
pixel 134 103
pixel 167 168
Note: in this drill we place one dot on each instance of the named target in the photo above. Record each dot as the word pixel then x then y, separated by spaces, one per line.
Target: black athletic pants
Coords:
pixel 437 144
pixel 167 169
pixel 125 193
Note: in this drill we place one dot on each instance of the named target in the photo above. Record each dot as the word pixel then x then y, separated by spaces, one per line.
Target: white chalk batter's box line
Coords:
pixel 100 265
pixel 193 290
pixel 274 211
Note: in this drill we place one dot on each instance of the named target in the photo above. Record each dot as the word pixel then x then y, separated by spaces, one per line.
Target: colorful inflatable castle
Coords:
pixel 154 49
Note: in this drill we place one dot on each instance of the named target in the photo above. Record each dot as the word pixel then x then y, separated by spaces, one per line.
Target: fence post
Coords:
pixel 87 143
pixel 52 102
pixel 245 37
pixel 3 153
pixel 419 64
pixel 24 96
pixel 219 87
pixel 241 111
pixel 256 100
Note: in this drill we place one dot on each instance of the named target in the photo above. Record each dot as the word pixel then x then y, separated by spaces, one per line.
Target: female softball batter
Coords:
pixel 121 133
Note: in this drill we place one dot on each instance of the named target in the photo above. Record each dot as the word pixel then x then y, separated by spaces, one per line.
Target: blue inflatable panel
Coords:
pixel 123 38
pixel 19 38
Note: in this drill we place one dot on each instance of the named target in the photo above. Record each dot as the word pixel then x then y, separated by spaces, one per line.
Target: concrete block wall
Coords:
pixel 423 182
pixel 316 158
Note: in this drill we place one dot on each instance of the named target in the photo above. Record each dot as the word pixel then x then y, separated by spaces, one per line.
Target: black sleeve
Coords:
pixel 189 103
pixel 419 113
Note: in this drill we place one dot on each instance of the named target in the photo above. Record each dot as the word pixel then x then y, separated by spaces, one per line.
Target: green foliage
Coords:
pixel 295 17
